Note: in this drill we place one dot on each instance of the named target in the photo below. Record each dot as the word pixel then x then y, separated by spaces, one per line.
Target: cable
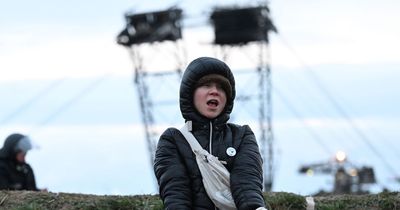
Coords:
pixel 308 97
pixel 31 101
pixel 300 118
pixel 70 102
pixel 338 108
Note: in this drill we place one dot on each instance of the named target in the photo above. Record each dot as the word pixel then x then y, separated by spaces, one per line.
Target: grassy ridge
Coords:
pixel 27 200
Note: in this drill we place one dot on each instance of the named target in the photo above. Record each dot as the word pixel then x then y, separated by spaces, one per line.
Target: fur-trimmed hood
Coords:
pixel 197 69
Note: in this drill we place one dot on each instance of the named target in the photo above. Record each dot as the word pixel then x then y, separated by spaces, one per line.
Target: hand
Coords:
pixel 43 190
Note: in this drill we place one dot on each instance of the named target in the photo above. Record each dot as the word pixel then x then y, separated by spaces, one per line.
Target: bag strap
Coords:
pixel 194 144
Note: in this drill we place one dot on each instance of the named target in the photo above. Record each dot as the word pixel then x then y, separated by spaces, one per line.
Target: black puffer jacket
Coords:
pixel 175 167
pixel 14 175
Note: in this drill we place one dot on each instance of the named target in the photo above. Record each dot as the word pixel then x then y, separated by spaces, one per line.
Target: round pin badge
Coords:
pixel 231 151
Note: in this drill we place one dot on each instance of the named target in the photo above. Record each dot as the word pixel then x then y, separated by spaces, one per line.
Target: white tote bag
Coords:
pixel 215 175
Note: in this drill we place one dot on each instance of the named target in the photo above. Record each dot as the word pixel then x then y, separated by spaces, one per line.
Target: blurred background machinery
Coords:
pixel 348 177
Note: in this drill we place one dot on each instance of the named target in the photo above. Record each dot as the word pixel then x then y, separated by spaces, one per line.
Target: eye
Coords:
pixel 208 84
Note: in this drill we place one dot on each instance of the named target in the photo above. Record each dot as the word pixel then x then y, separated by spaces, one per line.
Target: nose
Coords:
pixel 214 90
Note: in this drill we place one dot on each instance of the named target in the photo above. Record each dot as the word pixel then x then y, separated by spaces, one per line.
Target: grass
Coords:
pixel 26 200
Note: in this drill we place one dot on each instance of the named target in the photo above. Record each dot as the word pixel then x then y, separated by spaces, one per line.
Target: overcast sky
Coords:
pixel 66 83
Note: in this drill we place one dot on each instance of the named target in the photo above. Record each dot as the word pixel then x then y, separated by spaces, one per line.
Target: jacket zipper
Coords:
pixel 211 130
pixel 210 146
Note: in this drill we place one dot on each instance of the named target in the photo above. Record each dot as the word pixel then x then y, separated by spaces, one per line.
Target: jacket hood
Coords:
pixel 197 69
pixel 8 149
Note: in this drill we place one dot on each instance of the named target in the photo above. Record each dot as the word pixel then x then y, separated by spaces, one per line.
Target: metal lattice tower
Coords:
pixel 263 98
pixel 146 100
pixel 265 116
pixel 235 27
pixel 146 105
pixel 143 28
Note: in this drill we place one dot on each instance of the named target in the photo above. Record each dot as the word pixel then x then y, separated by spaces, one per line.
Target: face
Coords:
pixel 209 99
pixel 21 157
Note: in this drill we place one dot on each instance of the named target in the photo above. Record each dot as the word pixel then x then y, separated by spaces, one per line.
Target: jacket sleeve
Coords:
pixel 171 173
pixel 246 174
pixel 4 184
pixel 30 179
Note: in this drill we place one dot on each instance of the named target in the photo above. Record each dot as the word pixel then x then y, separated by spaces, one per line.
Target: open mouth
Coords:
pixel 212 102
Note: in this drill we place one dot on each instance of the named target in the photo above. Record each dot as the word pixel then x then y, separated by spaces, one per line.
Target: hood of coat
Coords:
pixel 196 69
pixel 8 150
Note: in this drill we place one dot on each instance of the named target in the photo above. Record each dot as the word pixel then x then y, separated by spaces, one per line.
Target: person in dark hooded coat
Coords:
pixel 15 173
pixel 207 94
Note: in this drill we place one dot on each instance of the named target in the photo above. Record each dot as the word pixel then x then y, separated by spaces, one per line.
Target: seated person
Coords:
pixel 15 173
